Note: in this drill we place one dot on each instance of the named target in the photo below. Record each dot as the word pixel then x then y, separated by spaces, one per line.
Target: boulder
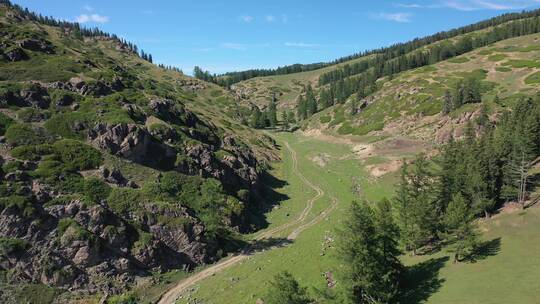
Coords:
pixel 16 54
pixel 37 45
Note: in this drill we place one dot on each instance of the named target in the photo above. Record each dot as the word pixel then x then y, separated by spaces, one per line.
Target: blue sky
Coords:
pixel 228 35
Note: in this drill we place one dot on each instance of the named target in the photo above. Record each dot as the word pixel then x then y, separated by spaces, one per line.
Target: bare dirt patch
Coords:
pixel 379 170
pixel 321 159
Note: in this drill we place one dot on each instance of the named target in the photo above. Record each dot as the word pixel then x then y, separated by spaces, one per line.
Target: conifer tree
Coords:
pixel 447 103
pixel 460 228
pixel 417 206
pixel 284 288
pixel 272 113
pixel 367 246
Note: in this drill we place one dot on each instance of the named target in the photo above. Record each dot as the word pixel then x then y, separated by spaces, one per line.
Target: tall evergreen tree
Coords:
pixel 284 288
pixel 417 205
pixel 460 228
pixel 447 102
pixel 367 246
pixel 272 113
pixel 301 110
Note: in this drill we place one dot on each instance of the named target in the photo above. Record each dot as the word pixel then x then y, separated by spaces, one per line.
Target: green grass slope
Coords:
pixel 410 103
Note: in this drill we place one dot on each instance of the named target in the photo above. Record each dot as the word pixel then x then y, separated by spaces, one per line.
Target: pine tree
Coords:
pixel 417 206
pixel 447 103
pixel 460 228
pixel 301 110
pixel 272 113
pixel 285 119
pixel 367 246
pixel 257 119
pixel 311 102
pixel 284 288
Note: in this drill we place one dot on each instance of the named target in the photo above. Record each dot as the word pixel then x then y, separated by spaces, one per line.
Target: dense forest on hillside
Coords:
pixel 361 78
pixel 383 54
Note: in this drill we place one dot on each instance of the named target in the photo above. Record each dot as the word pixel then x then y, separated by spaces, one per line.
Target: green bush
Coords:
pixel 12 166
pixel 76 231
pixel 76 155
pixel 49 168
pixel 20 203
pixel 5 122
pixel 96 189
pixel 9 246
pixel 31 152
pixel 32 115
pixel 23 134
pixel 122 299
pixel 122 200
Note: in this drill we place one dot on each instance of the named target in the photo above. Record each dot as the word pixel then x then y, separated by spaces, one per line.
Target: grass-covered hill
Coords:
pixel 113 168
pixel 411 103
pixel 406 83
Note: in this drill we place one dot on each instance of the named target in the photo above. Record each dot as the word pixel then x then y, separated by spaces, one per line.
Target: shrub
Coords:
pixel 73 230
pixel 9 246
pixel 122 200
pixel 31 152
pixel 21 203
pixel 23 134
pixel 49 168
pixel 5 122
pixel 77 156
pixel 96 189
pixel 32 115
pixel 122 299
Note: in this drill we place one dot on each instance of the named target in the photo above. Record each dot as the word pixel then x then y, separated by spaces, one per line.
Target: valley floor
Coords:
pixel 316 179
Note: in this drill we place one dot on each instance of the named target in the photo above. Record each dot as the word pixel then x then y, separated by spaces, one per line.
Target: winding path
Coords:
pixel 172 294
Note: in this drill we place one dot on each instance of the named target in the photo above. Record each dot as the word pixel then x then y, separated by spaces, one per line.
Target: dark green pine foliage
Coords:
pixel 447 102
pixel 368 247
pixel 272 112
pixel 460 229
pixel 417 206
pixel 284 288
pixel 301 109
pixel 311 102
pixel 492 168
pixel 399 57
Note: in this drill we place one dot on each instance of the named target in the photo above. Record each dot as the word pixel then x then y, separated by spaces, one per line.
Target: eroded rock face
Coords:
pixel 97 243
pixel 16 54
pixel 37 45
pixel 130 141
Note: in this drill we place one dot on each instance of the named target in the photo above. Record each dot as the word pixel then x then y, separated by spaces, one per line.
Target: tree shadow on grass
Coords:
pixel 422 280
pixel 486 249
pixel 269 198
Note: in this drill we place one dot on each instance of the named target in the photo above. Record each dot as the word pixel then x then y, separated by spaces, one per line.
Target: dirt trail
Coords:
pixel 172 295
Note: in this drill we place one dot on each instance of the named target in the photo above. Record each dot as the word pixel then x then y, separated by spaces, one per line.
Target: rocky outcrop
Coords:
pixel 33 95
pixel 131 142
pixel 15 54
pixel 78 246
pixel 93 88
pixel 37 45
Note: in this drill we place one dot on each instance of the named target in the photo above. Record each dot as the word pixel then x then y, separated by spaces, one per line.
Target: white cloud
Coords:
pixel 85 18
pixel 284 18
pixel 247 19
pixel 88 8
pixel 270 18
pixel 302 44
pixel 396 17
pixel 473 5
